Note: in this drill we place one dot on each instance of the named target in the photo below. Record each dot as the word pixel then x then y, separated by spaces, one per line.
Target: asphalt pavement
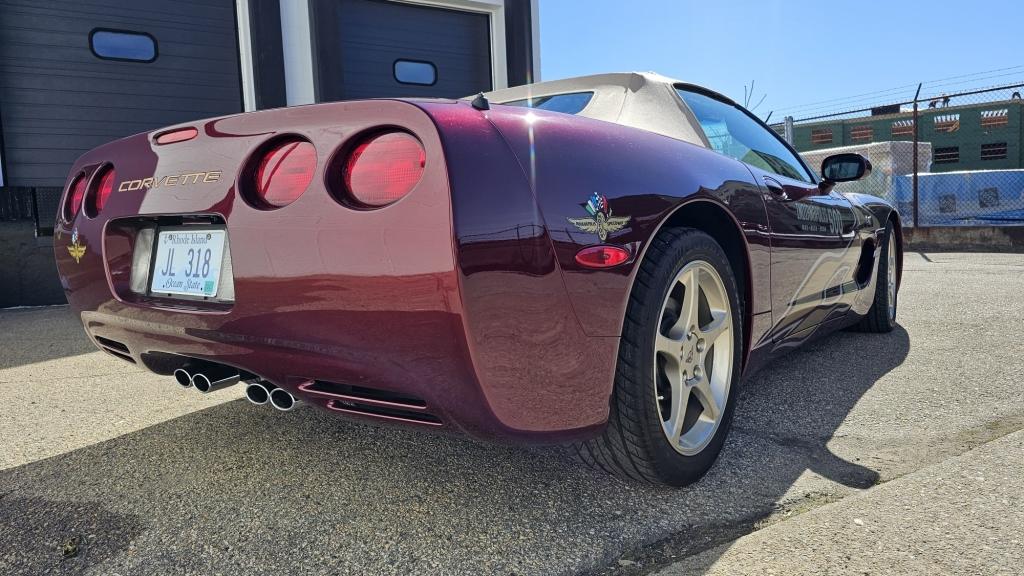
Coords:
pixel 105 469
pixel 962 516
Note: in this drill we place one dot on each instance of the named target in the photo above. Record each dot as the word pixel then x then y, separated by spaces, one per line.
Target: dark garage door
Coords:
pixel 58 99
pixel 361 43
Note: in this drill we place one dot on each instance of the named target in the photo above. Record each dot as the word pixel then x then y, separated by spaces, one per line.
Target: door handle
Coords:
pixel 775 188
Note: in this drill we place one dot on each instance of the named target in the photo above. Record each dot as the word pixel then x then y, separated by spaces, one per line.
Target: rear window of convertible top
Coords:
pixel 570 103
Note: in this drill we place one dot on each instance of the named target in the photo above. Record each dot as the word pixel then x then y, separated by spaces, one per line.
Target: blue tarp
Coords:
pixel 974 198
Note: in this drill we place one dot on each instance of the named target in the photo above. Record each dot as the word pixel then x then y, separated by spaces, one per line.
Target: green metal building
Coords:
pixel 984 136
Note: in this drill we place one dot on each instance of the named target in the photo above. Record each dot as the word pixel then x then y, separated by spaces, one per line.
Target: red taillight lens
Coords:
pixel 285 172
pixel 601 256
pixel 104 187
pixel 76 193
pixel 384 168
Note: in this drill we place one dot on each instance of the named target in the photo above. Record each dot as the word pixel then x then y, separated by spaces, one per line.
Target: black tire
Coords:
pixel 633 445
pixel 878 319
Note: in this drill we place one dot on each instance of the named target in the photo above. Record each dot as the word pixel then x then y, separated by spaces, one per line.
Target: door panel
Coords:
pixel 815 247
pixel 815 251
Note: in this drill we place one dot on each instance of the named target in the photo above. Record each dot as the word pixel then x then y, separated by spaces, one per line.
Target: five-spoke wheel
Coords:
pixel 679 358
pixel 678 364
pixel 693 356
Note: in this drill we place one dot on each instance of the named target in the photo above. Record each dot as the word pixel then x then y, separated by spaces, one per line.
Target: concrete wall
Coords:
pixel 965 239
pixel 28 275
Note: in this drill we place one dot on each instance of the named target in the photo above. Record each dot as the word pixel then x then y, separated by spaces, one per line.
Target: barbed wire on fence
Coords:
pixel 845 102
pixel 906 102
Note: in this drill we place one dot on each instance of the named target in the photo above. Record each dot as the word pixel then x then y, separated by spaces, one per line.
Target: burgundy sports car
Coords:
pixel 596 261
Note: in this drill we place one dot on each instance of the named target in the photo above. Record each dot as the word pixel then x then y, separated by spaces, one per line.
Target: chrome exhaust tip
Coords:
pixel 204 384
pixel 282 399
pixel 258 392
pixel 183 378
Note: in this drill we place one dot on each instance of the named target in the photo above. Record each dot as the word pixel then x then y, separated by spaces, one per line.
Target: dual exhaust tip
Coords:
pixel 261 392
pixel 206 377
pixel 209 377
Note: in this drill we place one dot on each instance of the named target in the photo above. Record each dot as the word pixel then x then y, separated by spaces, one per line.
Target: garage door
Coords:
pixel 377 48
pixel 75 74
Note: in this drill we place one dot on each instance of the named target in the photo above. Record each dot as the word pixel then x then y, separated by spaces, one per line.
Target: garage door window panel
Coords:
pixel 122 45
pixel 415 72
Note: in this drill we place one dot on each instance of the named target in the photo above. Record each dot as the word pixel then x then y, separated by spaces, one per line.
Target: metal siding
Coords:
pixel 3 158
pixel 519 42
pixel 59 100
pixel 267 53
pixel 358 42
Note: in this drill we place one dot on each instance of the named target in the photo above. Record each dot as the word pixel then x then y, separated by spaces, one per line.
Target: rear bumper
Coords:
pixel 497 356
pixel 423 355
pixel 427 363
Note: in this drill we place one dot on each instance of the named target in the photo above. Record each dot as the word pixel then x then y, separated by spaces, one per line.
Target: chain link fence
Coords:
pixel 943 160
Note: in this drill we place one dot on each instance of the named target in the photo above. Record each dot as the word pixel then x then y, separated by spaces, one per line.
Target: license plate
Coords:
pixel 188 262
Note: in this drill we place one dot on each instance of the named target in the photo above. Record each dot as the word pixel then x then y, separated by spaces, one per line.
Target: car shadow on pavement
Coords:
pixel 241 489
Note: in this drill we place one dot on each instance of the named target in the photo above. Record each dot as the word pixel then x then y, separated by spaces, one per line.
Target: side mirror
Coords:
pixel 844 168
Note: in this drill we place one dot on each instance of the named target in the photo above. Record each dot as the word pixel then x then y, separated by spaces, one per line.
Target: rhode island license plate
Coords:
pixel 188 262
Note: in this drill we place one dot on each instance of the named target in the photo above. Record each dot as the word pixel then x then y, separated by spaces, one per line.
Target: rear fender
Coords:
pixel 535 364
pixel 646 178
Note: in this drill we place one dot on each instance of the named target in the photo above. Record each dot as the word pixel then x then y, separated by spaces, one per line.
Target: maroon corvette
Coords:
pixel 597 260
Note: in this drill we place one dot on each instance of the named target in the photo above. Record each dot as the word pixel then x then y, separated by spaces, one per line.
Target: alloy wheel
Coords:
pixel 693 357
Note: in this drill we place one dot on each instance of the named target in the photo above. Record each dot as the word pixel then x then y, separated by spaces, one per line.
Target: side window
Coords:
pixel 731 132
pixel 571 103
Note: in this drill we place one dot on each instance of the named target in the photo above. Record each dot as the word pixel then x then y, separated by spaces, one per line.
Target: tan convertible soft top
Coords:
pixel 642 100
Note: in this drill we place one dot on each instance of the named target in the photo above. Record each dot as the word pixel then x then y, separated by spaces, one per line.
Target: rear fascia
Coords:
pixel 322 291
pixel 441 301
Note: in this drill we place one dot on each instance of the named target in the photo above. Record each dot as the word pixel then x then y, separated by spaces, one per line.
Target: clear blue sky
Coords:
pixel 796 51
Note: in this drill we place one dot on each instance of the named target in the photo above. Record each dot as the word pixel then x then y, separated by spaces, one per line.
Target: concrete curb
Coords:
pixel 965 239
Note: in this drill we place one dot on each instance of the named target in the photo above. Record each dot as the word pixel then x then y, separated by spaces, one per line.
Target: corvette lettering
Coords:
pixel 170 180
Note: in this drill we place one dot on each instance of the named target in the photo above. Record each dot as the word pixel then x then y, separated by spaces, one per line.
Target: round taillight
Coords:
pixel 76 193
pixel 284 173
pixel 384 168
pixel 104 186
